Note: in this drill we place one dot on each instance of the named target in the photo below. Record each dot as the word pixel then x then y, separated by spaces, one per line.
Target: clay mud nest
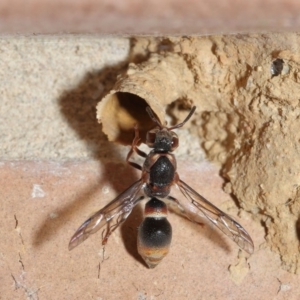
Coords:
pixel 246 89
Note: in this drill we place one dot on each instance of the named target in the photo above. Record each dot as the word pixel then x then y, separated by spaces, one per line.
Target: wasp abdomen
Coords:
pixel 155 233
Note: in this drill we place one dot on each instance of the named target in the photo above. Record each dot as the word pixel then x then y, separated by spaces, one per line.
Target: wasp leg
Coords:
pixel 106 233
pixel 183 213
pixel 134 148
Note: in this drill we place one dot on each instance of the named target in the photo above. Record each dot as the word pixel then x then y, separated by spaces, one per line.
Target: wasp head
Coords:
pixel 163 139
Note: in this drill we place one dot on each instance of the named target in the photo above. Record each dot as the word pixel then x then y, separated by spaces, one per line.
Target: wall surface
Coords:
pixel 58 60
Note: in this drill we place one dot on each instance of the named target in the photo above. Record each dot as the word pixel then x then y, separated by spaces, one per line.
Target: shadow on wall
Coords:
pixel 78 107
pixel 297 227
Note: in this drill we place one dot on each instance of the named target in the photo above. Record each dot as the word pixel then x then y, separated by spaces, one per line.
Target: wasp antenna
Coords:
pixel 153 117
pixel 185 120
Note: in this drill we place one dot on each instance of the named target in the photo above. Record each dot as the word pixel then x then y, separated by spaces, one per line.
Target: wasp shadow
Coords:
pixel 129 232
pixel 78 108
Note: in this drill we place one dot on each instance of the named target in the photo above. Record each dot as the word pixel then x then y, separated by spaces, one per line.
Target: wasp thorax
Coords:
pixel 162 140
pixel 155 233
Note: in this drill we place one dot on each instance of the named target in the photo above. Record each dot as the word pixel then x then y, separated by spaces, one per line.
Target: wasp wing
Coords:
pixel 112 215
pixel 223 221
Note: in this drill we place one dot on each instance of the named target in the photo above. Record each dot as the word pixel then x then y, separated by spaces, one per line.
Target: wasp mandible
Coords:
pixel 158 176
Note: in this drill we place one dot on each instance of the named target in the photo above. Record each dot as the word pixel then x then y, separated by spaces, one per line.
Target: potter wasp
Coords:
pixel 158 176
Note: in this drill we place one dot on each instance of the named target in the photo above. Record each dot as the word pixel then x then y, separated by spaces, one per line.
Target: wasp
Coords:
pixel 158 176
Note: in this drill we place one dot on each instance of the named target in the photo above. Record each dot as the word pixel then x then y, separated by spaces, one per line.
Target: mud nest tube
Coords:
pixel 246 89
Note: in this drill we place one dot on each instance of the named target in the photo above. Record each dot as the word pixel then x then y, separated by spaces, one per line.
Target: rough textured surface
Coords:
pixel 155 81
pixel 43 203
